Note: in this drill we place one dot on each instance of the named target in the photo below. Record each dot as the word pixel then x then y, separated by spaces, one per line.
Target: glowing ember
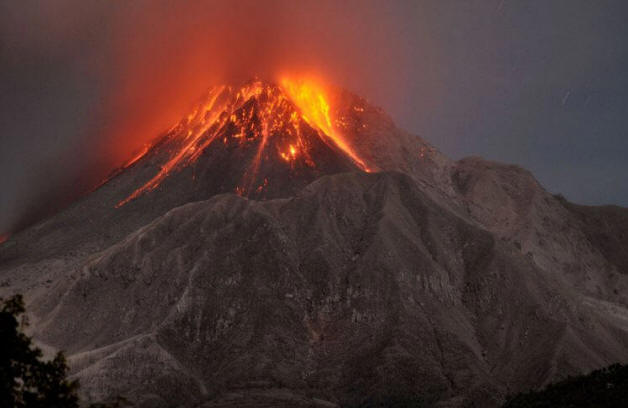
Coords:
pixel 4 237
pixel 251 116
pixel 199 124
pixel 138 156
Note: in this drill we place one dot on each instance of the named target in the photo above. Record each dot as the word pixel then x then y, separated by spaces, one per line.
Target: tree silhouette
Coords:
pixel 26 380
pixel 604 388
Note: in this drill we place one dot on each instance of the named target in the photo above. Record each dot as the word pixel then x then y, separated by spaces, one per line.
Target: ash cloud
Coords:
pixel 85 83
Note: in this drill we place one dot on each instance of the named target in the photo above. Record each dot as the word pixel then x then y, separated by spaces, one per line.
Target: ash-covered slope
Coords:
pixel 360 286
pixel 247 258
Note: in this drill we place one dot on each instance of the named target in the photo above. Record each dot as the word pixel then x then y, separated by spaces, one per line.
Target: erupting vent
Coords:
pixel 281 122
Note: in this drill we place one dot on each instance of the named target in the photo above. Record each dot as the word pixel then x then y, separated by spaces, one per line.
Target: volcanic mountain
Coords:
pixel 242 138
pixel 285 244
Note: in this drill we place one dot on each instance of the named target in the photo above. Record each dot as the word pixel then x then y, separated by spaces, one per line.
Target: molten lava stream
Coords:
pixel 138 156
pixel 189 150
pixel 311 101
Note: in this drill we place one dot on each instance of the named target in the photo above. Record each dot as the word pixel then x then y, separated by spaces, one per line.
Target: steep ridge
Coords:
pixel 584 247
pixel 606 228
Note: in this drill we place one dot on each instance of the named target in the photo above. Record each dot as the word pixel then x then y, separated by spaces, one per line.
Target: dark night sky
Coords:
pixel 539 83
pixel 543 84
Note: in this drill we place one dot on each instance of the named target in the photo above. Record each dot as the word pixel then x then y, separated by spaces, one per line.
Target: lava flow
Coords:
pixel 315 110
pixel 277 121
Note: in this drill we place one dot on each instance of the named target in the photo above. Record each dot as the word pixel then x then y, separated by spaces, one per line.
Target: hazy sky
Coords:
pixel 543 84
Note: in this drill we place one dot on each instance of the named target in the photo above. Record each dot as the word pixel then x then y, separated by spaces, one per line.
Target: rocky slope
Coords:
pixel 456 282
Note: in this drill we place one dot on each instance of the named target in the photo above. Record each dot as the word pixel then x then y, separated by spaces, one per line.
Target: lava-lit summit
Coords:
pixel 274 132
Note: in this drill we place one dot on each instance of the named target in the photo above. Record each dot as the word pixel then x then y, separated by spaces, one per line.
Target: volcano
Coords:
pixel 285 244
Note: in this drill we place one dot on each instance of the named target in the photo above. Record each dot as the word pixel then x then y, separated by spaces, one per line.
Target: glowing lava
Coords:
pixel 311 100
pixel 251 116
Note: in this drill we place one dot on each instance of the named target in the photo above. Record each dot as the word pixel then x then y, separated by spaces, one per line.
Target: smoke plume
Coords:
pixel 87 83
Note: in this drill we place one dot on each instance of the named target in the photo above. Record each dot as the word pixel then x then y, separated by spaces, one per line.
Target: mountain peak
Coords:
pixel 288 126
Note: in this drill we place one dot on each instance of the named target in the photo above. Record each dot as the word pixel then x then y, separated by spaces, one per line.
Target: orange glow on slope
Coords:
pixel 188 152
pixel 276 121
pixel 138 156
pixel 311 101
pixel 4 237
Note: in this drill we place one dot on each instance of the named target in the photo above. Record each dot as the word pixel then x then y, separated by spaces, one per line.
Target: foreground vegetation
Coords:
pixel 26 379
pixel 605 388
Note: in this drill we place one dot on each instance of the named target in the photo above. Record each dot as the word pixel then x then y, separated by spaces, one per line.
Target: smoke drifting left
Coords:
pixel 97 80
